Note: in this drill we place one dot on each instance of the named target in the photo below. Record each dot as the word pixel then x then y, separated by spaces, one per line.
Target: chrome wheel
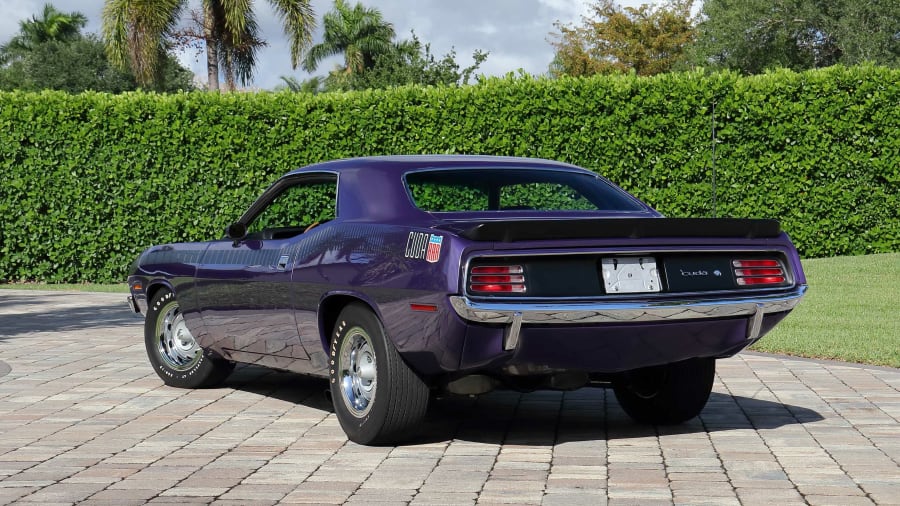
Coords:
pixel 377 398
pixel 358 371
pixel 175 344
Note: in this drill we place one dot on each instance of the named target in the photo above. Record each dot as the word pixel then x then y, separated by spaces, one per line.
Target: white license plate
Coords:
pixel 630 274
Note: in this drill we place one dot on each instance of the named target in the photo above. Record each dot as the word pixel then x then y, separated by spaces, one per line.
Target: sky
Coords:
pixel 514 32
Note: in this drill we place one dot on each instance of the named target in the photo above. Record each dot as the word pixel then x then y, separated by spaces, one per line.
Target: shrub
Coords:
pixel 92 179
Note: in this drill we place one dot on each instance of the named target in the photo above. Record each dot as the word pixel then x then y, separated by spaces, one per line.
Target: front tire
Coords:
pixel 174 354
pixel 377 398
pixel 666 394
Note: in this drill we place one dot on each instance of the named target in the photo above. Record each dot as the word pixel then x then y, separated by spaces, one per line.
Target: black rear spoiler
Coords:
pixel 603 228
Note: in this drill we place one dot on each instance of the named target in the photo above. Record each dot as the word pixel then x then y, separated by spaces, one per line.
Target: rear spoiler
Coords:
pixel 603 228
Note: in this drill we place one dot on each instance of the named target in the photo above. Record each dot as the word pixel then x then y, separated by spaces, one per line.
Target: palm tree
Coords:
pixel 52 25
pixel 359 33
pixel 313 85
pixel 137 33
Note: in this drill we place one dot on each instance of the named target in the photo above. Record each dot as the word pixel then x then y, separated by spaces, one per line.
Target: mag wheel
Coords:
pixel 377 398
pixel 173 352
pixel 666 394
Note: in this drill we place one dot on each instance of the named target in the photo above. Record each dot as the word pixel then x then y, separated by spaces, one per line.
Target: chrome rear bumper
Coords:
pixel 580 313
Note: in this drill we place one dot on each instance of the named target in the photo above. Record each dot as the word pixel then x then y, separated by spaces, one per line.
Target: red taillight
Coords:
pixel 759 272
pixel 488 279
pixel 497 279
pixel 497 269
pixel 756 263
pixel 496 288
pixel 764 280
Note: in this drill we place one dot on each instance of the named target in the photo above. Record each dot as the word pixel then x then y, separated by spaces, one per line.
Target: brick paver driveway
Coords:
pixel 83 418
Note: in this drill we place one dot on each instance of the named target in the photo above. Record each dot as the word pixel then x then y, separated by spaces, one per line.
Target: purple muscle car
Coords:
pixel 398 277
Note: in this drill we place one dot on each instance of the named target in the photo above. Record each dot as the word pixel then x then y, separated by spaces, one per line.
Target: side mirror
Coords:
pixel 236 231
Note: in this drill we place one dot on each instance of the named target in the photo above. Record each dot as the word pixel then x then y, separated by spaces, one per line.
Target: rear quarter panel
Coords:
pixel 389 267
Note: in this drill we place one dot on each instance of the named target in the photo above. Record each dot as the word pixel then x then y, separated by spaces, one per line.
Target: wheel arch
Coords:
pixel 155 286
pixel 330 308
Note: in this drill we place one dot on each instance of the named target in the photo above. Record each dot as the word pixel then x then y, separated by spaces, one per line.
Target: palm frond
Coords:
pixel 360 33
pixel 317 53
pixel 134 32
pixel 299 23
pixel 235 16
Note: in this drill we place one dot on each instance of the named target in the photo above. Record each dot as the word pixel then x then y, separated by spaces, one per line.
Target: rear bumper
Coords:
pixel 606 347
pixel 756 307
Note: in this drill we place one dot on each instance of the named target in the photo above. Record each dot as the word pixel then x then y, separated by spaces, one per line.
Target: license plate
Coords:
pixel 630 274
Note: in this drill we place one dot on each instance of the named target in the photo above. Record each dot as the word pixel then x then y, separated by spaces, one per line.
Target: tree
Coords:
pixel 81 65
pixel 50 53
pixel 359 33
pixel 753 35
pixel 408 62
pixel 137 33
pixel 649 39
pixel 868 31
pixel 313 85
pixel 411 62
pixel 52 25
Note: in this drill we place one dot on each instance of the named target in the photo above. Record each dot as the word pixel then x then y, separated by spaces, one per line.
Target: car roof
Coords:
pixel 407 163
pixel 372 188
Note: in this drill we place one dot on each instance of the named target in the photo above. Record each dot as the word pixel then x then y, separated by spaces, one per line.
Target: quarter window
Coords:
pixel 296 208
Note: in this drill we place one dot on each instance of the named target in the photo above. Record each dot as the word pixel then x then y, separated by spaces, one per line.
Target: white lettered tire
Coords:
pixel 174 354
pixel 377 398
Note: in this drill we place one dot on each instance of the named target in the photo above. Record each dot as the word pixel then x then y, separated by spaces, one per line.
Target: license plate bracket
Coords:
pixel 630 275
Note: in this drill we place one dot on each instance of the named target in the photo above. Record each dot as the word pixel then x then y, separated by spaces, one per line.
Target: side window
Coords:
pixel 296 208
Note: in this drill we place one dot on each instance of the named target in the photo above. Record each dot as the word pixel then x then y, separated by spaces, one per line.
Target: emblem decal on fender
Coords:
pixel 421 246
pixel 434 248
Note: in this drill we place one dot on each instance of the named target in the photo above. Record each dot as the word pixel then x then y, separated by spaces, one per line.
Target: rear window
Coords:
pixel 457 190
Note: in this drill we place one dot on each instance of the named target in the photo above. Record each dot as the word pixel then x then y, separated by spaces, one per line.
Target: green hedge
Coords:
pixel 90 180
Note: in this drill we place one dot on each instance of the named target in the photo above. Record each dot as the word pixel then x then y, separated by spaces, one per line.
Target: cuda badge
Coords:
pixel 282 262
pixel 420 246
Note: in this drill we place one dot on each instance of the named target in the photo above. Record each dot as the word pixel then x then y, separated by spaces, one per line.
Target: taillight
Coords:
pixel 497 279
pixel 760 272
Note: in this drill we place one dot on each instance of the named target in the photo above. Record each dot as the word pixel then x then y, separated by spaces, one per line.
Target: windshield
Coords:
pixel 455 190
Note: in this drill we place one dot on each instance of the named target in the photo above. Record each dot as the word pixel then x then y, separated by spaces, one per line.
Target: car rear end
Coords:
pixel 566 280
pixel 637 298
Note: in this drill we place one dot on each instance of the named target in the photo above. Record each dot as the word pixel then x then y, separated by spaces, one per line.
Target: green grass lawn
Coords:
pixel 851 312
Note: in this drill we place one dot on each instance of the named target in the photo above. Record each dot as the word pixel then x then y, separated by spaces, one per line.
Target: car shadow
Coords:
pixel 539 418
pixel 285 386
pixel 24 314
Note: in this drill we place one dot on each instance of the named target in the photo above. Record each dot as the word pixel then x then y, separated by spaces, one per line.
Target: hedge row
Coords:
pixel 90 180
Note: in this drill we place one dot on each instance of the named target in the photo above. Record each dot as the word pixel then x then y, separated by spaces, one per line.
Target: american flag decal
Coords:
pixel 434 248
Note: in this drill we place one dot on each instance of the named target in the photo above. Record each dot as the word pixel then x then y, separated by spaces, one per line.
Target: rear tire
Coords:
pixel 666 394
pixel 377 398
pixel 174 354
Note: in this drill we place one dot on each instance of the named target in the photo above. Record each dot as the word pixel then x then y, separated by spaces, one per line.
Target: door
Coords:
pixel 244 285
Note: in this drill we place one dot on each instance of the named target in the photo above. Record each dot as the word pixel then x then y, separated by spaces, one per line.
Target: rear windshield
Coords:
pixel 456 190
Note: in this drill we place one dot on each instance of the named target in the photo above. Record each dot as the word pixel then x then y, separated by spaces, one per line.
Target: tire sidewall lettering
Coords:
pixel 206 371
pixel 334 374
